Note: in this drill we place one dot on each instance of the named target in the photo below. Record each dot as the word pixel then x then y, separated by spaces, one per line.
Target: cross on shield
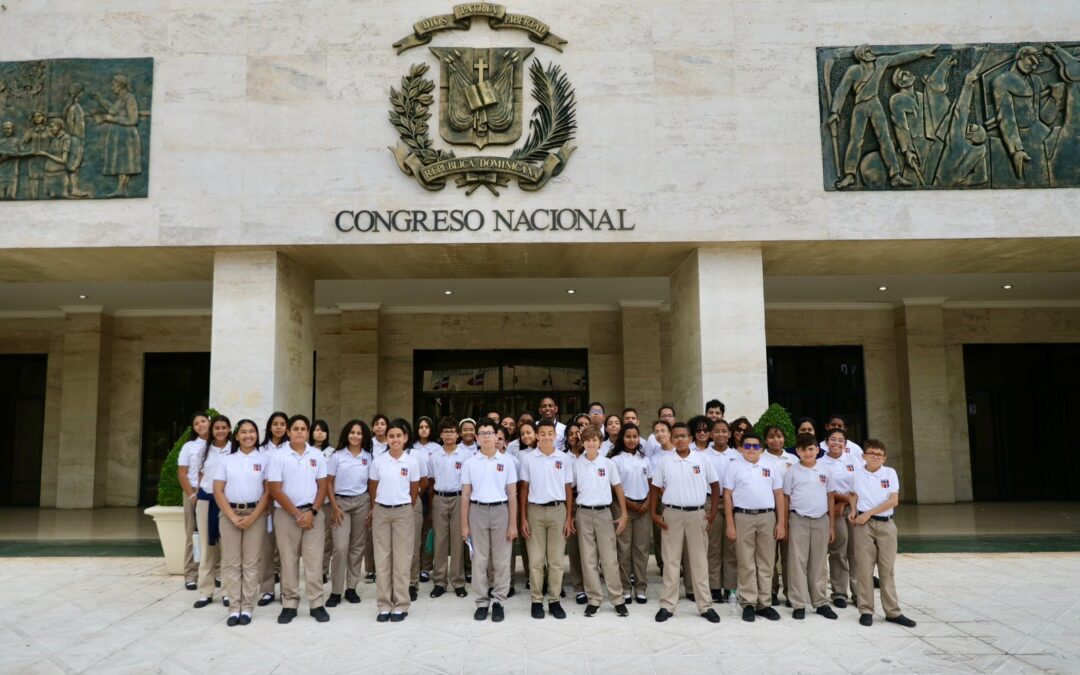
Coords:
pixel 481 97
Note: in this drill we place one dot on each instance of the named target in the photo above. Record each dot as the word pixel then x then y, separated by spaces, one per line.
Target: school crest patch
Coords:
pixel 823 479
pixel 405 472
pixel 885 483
pixel 601 472
pixel 363 462
pixel 498 467
pixel 457 466
pixel 850 468
pixel 558 464
pixel 697 469
pixel 256 467
pixel 766 473
pixel 313 463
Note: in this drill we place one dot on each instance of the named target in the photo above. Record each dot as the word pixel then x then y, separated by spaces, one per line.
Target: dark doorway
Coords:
pixel 175 385
pixel 469 383
pixel 22 427
pixel 1023 402
pixel 818 382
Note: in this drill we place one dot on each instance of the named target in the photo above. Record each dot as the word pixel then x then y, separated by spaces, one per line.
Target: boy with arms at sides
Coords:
pixel 809 493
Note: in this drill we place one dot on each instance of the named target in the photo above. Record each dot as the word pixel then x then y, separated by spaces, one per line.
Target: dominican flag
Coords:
pixel 442 384
pixel 477 380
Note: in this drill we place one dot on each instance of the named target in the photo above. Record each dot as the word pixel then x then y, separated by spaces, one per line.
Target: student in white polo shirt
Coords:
pixel 241 495
pixel 598 488
pixel 752 490
pixel 447 463
pixel 427 441
pixel 635 471
pixel 838 422
pixel 394 488
pixel 875 493
pixel 200 432
pixel 681 481
pixel 809 492
pixel 549 410
pixel 467 434
pixel 729 564
pixel 276 437
pixel 719 463
pixel 502 443
pixel 842 466
pixel 202 470
pixel 297 481
pixel 547 500
pixel 423 461
pixel 489 517
pixel 347 475
pixel 775 441
pixel 379 426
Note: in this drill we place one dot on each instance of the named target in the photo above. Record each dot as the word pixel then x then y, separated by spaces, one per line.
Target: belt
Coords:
pixel 557 502
pixel 636 501
pixel 393 506
pixel 303 507
pixel 473 501
pixel 448 494
pixel 752 512
pixel 594 508
pixel 684 508
pixel 349 496
pixel 883 519
pixel 810 517
pixel 243 505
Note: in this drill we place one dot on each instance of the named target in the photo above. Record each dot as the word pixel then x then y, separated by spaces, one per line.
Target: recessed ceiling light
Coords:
pixel 447 292
pixel 883 288
pixel 570 291
pixel 1007 287
pixel 82 296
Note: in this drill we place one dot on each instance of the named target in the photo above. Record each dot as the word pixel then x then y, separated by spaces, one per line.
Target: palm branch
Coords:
pixel 552 123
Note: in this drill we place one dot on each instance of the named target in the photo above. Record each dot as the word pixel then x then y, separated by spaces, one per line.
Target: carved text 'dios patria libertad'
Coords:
pixel 950 116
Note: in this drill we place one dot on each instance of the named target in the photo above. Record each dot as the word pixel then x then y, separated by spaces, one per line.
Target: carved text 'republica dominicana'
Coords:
pixel 474 220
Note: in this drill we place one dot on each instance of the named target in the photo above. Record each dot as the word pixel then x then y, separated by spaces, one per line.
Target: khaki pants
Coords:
pixel 729 564
pixel 547 547
pixel 418 526
pixel 875 543
pixel 210 559
pixel 573 555
pixel 369 551
pixel 427 558
pixel 807 552
pixel 633 548
pixel 446 521
pixel 755 547
pixel 487 527
pixel 349 539
pixel 841 558
pixel 716 552
pixel 269 562
pixel 394 536
pixel 191 566
pixel 780 573
pixel 686 531
pixel 293 544
pixel 596 539
pixel 328 541
pixel 240 554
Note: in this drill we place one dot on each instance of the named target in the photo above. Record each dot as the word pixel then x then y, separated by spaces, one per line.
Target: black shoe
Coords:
pixel 724 595
pixel 398 617
pixel 538 610
pixel 490 592
pixel 325 577
pixel 662 615
pixel 581 598
pixel 217 582
pixel 352 596
pixel 902 620
pixel 591 610
pixel 691 597
pixel 748 613
pixel 641 599
pixel 334 600
pixel 877 582
pixel 286 615
pixel 460 592
pixel 277 578
pixel 244 619
pixel 225 600
pixel 496 612
pixel 510 593
pixel 233 620
pixel 556 610
pixel 266 599
pixel 867 619
pixel 711 616
pixel 527 582
pixel 775 600
pixel 480 614
pixel 370 578
pixel 320 614
pixel 190 585
pixel 799 614
pixel 715 593
pixel 383 617
pixel 202 602
pixel 468 578
pixel 437 591
pixel 768 613
pixel 413 591
pixel 424 577
pixel 826 612
pixel 787 603
pixel 562 593
pixel 840 603
pixel 621 610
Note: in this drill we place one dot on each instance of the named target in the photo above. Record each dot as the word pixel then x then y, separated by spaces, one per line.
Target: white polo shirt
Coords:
pixel 719 463
pixel 328 452
pixel 853 449
pixel 594 480
pixel 875 488
pixel 378 447
pixel 446 468
pixel 842 470
pixel 752 485
pixel 783 463
pixel 685 481
pixel 297 473
pixel 471 448
pixel 512 458
pixel 395 478
pixel 808 489
pixel 547 475
pixel 635 470
pixel 650 447
pixel 732 454
pixel 605 448
pixel 187 452
pixel 489 476
pixel 243 474
pixel 350 472
pixel 208 466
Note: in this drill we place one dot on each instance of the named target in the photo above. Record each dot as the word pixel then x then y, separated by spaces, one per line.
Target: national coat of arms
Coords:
pixel 481 103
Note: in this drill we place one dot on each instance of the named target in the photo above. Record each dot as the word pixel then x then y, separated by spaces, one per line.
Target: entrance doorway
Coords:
pixel 469 383
pixel 1023 401
pixel 817 382
pixel 22 427
pixel 175 385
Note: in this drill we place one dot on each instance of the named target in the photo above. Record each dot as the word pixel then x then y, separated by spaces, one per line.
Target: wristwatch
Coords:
pixel 314 511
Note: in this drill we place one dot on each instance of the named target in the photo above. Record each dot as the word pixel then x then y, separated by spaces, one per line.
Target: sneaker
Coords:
pixel 190 585
pixel 538 610
pixel 320 614
pixel 480 614
pixel 769 613
pixel 867 619
pixel 413 592
pixel 233 620
pixel 748 613
pixel 460 592
pixel 225 600
pixel 425 577
pixel 287 615
pixel 556 610
pixel 352 596
pixel 627 599
pixel 662 615
pixel 369 578
pixel 245 619
pixel 383 617
pixel 715 593
pixel 826 612
pixel 621 610
pixel 437 591
pixel 202 602
pixel 591 610
pixel 266 599
pixel 581 598
pixel 902 620
pixel 799 614
pixel 217 582
pixel 840 603
pixel 334 600
pixel 641 599
pixel 496 612
pixel 877 582
pixel 398 617
pixel 711 616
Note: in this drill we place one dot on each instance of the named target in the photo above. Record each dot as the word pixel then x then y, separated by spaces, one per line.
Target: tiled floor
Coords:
pixel 1002 613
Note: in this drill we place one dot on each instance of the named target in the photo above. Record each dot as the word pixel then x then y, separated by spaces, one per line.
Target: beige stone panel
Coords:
pixel 359 364
pixel 667 384
pixel 328 373
pixel 286 78
pixel 641 364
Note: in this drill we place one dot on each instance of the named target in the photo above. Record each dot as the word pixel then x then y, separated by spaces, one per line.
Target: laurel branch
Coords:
pixel 410 114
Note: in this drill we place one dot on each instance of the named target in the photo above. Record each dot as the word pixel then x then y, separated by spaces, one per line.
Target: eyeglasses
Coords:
pixel 751 446
pixel 702 431
pixel 596 411
pixel 486 433
pixel 874 454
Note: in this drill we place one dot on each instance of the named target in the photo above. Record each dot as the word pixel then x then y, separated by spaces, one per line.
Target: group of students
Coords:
pixel 735 516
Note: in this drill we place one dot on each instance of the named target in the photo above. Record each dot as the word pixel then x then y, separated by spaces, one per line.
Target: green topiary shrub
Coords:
pixel 776 415
pixel 169 492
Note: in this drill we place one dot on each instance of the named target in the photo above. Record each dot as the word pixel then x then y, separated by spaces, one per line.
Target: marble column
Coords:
pixel 642 379
pixel 359 361
pixel 718 332
pixel 924 400
pixel 82 456
pixel 262 337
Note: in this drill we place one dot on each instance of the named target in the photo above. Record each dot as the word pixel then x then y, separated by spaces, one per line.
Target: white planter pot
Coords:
pixel 170 527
